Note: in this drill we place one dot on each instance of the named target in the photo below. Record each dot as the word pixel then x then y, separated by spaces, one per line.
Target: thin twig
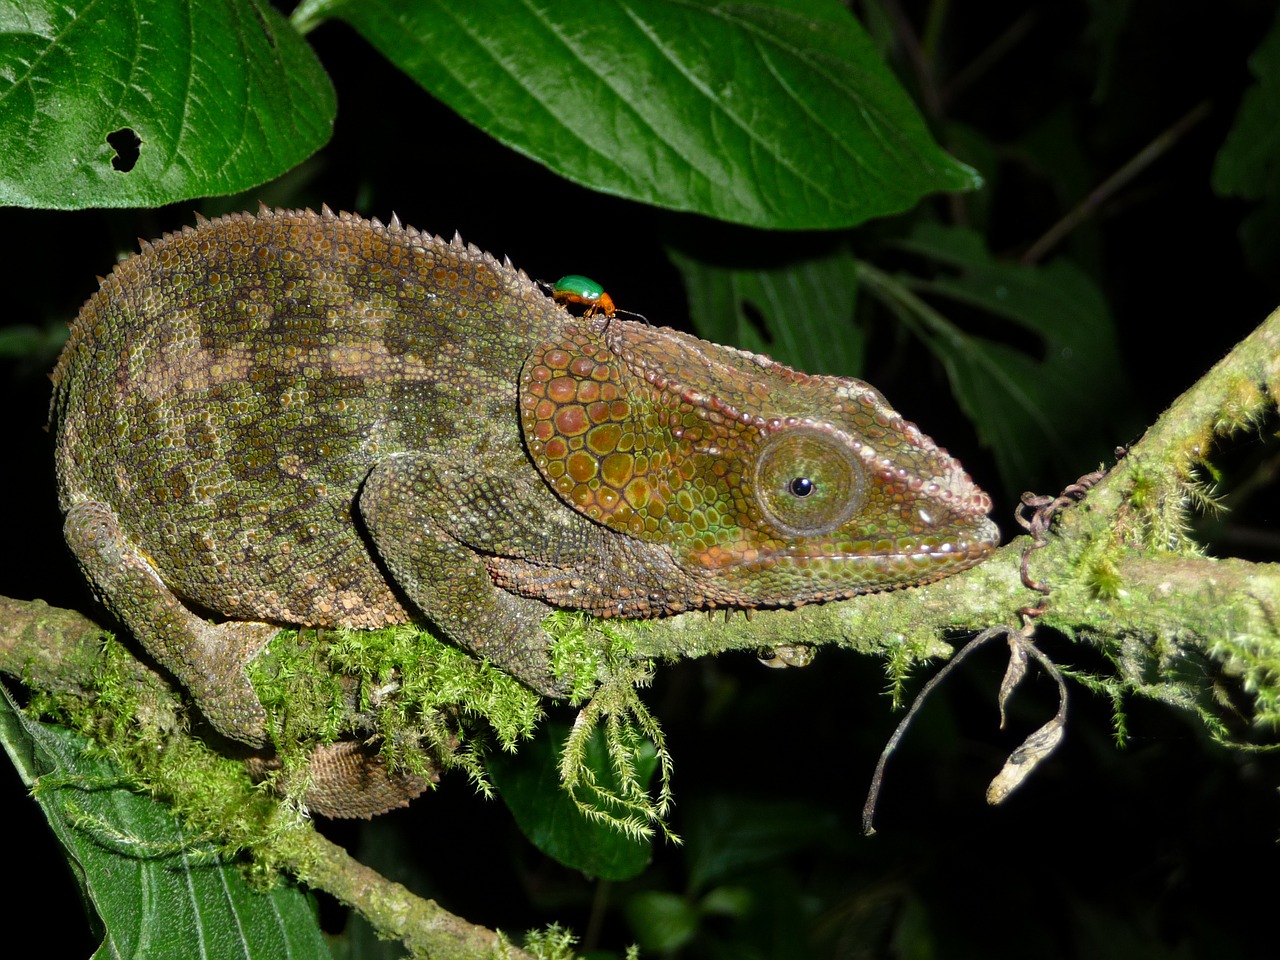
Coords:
pixel 877 778
pixel 1105 190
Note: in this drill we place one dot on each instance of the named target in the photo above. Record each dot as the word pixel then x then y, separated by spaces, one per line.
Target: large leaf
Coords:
pixel 529 784
pixel 157 892
pixel 107 103
pixel 1051 403
pixel 775 113
pixel 800 312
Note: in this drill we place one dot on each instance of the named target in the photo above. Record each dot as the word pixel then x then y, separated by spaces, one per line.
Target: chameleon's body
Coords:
pixel 318 420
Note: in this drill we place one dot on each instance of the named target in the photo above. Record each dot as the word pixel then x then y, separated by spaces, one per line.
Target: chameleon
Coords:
pixel 317 420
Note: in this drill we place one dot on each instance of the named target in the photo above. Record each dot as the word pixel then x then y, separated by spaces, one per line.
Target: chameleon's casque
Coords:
pixel 319 420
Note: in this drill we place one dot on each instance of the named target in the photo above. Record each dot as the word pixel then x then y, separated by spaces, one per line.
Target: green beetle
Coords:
pixel 578 289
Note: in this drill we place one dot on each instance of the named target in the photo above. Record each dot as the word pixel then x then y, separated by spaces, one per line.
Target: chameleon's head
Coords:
pixel 775 486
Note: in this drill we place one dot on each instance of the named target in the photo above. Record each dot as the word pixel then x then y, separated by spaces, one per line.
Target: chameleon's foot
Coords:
pixel 224 695
pixel 206 658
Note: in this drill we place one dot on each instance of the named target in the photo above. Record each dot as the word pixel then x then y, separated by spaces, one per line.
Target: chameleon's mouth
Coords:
pixel 880 564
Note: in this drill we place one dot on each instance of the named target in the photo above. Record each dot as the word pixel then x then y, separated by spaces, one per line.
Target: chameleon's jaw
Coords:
pixel 803 574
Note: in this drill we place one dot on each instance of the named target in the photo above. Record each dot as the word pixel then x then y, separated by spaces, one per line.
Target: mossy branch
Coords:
pixel 1123 575
pixel 423 926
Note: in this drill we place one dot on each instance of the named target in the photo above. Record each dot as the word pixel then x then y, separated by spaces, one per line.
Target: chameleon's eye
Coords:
pixel 801 487
pixel 807 482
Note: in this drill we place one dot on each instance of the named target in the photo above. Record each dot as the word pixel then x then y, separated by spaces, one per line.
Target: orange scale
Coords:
pixel 571 420
pixel 562 389
pixel 638 493
pixel 557 359
pixel 617 470
pixel 603 440
pixel 582 466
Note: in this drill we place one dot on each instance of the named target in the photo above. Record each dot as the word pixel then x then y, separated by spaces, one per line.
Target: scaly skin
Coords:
pixel 317 420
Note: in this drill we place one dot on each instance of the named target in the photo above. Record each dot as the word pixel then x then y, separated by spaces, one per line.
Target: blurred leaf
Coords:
pixel 975 147
pixel 800 313
pixel 1260 237
pixel 1248 165
pixel 1107 22
pixel 529 784
pixel 215 96
pixel 775 113
pixel 33 348
pixel 661 921
pixel 730 835
pixel 727 901
pixel 1059 400
pixel 156 891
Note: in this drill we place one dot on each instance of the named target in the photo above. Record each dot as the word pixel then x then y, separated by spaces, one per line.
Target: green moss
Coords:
pixel 553 942
pixel 1241 407
pixel 586 651
pixel 900 662
pixel 135 719
pixel 429 705
pixel 1103 578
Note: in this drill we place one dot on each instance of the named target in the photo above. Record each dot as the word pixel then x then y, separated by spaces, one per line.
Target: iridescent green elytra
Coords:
pixel 319 420
pixel 578 289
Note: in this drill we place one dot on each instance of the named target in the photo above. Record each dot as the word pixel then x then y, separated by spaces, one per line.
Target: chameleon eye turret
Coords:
pixel 807 482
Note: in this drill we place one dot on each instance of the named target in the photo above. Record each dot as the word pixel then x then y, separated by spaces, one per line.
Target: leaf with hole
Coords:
pixel 112 104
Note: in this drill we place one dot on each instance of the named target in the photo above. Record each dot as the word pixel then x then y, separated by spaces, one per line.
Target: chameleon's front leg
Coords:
pixel 430 519
pixel 208 659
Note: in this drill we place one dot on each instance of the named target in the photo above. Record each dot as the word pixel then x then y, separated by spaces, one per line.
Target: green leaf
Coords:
pixel 1248 165
pixel 529 784
pixel 800 313
pixel 661 921
pixel 732 837
pixel 215 95
pixel 1059 400
pixel 157 891
pixel 774 113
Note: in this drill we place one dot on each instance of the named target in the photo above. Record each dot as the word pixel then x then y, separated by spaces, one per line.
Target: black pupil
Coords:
pixel 801 486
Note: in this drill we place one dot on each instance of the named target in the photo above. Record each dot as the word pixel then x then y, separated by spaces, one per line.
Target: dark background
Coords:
pixel 1151 850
